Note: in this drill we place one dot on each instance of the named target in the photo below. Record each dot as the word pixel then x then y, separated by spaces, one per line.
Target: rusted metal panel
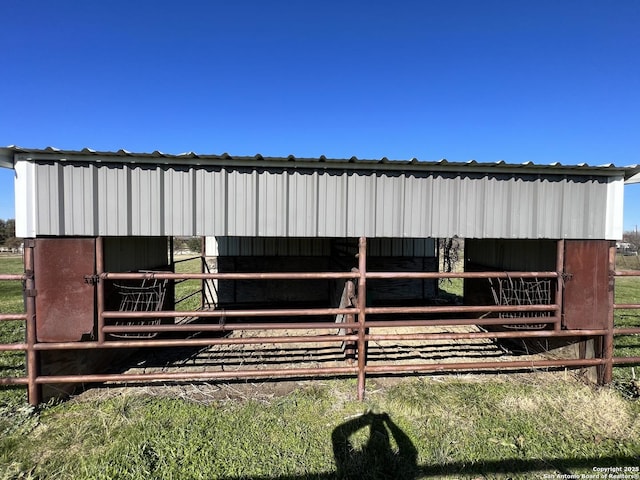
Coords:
pixel 64 301
pixel 586 295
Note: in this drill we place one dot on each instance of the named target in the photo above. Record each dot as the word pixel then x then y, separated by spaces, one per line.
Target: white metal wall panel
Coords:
pixel 301 204
pixel 614 219
pixel 67 198
pixel 332 201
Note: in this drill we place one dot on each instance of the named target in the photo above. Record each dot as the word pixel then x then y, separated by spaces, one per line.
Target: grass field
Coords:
pixel 451 428
pixel 185 288
pixel 627 291
pixel 12 364
pixel 445 427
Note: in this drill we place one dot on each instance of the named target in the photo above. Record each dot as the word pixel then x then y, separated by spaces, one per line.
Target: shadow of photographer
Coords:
pixel 377 458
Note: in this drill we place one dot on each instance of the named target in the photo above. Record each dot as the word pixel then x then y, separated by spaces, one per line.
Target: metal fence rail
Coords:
pixel 358 326
pixel 619 331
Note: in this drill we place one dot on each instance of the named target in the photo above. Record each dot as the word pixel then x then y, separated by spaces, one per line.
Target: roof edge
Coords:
pixel 9 155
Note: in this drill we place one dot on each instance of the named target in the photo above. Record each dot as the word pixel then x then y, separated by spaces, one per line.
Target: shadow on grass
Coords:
pixel 554 467
pixel 376 459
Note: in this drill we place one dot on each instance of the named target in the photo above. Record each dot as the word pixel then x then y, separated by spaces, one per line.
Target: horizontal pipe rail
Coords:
pixel 12 316
pixel 192 342
pixel 12 276
pixel 211 375
pixel 442 367
pixel 8 347
pixel 293 312
pixel 228 276
pixel 312 339
pixel 627 331
pixel 625 360
pixel 318 275
pixel 329 311
pixel 228 327
pixel 7 381
pixel 472 335
pixel 464 309
pixel 627 273
pixel 626 306
pixel 436 275
pixel 460 321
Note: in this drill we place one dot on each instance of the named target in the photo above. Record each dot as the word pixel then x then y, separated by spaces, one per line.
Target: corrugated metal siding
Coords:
pixel 130 199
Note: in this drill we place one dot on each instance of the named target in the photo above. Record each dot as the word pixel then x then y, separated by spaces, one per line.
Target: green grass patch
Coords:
pixel 627 292
pixel 451 289
pixel 628 262
pixel 417 429
pixel 188 287
pixel 12 363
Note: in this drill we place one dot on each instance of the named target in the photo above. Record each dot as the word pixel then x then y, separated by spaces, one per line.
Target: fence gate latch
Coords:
pixel 91 279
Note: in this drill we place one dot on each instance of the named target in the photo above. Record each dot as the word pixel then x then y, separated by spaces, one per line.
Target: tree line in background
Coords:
pixel 8 234
pixel 187 244
pixel 632 237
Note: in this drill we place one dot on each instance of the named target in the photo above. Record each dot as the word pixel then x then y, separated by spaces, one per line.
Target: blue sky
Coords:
pixel 542 81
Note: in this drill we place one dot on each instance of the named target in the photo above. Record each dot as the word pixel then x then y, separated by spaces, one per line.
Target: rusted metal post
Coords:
pixel 559 284
pixel 362 306
pixel 350 351
pixel 203 259
pixel 33 389
pixel 607 350
pixel 100 285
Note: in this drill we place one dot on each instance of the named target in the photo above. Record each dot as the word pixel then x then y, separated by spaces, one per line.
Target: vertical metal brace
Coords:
pixel 100 293
pixel 362 305
pixel 33 389
pixel 607 350
pixel 559 285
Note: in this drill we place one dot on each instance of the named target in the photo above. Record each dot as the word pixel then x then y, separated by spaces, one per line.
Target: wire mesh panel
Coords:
pixel 522 291
pixel 146 297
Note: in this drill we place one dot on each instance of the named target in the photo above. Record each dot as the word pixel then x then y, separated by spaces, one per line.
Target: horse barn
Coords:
pixel 311 267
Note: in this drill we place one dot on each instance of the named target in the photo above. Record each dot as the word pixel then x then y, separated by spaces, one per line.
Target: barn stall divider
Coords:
pixel 356 325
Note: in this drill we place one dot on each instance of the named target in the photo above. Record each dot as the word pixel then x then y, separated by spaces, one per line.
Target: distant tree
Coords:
pixel 7 230
pixel 632 237
pixel 450 250
pixel 194 244
pixel 13 242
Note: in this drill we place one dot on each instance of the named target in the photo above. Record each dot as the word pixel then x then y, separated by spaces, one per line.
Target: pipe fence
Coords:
pixel 355 323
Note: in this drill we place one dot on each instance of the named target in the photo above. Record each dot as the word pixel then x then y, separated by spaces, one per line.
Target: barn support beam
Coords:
pixel 100 294
pixel 362 306
pixel 557 324
pixel 33 389
pixel 607 350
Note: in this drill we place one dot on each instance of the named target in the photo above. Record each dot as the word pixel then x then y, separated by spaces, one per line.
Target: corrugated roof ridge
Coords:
pixel 322 158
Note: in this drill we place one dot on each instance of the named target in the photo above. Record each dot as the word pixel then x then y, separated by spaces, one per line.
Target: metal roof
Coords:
pixel 9 154
pixel 76 193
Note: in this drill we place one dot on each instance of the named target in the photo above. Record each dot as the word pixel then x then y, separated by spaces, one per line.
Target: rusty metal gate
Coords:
pixel 358 323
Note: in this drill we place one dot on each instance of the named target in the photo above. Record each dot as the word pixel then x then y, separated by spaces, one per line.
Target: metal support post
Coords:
pixel 100 285
pixel 33 389
pixel 362 305
pixel 559 285
pixel 607 350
